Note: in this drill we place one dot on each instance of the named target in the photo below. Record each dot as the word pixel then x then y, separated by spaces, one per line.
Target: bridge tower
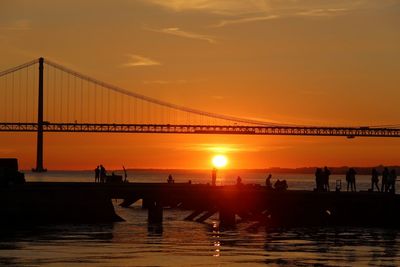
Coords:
pixel 39 148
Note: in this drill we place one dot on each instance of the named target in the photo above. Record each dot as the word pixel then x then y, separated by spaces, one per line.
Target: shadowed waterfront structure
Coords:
pixel 43 202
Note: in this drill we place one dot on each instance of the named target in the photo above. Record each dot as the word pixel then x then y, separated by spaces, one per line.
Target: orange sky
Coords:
pixel 304 62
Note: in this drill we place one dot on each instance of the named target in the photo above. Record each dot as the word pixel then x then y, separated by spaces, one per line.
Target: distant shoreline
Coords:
pixel 302 170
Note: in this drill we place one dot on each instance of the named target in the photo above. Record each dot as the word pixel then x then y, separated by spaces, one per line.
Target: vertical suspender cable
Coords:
pixel 54 93
pixel 46 93
pixel 95 103
pixel 81 118
pixel 19 96
pixel 74 116
pixel 68 97
pixel 61 96
pixel 108 105
pixel 12 97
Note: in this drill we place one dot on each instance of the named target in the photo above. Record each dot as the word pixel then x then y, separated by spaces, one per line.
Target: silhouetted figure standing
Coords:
pixel 170 180
pixel 214 176
pixel 102 174
pixel 319 180
pixel 268 183
pixel 326 175
pixel 348 179
pixel 125 174
pixel 97 174
pixel 374 180
pixel 238 180
pixel 352 179
pixel 385 177
pixel 392 181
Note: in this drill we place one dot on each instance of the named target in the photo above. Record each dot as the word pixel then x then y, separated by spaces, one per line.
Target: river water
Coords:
pixel 184 243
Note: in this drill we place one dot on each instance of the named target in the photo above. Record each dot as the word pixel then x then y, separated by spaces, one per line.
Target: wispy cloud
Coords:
pixel 185 34
pixel 320 12
pixel 18 25
pixel 245 11
pixel 137 61
pixel 245 20
pixel 223 7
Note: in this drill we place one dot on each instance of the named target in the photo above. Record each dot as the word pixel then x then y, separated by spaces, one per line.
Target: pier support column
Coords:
pixel 226 217
pixel 145 203
pixel 155 212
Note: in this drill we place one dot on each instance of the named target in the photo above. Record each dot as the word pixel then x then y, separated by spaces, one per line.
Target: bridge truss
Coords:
pixel 349 132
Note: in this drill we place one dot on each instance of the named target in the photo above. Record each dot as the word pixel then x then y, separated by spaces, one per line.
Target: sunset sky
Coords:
pixel 310 62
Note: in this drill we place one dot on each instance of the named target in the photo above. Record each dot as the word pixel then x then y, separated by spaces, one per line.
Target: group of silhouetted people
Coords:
pixel 100 174
pixel 388 180
pixel 322 179
pixel 279 185
pixel 170 180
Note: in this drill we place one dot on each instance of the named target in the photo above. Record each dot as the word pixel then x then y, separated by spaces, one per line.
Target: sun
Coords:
pixel 219 161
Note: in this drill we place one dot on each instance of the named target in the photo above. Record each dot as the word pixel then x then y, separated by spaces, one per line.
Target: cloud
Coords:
pixel 245 20
pixel 223 7
pixel 137 61
pixel 322 12
pixel 245 11
pixel 18 25
pixel 185 34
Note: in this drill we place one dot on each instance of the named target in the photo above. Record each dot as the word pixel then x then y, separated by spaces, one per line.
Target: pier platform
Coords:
pixel 75 202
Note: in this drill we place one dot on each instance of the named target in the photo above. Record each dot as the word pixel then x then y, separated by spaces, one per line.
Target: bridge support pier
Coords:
pixel 39 148
pixel 155 212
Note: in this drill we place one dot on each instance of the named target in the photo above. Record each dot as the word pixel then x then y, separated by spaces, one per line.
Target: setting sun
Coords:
pixel 219 161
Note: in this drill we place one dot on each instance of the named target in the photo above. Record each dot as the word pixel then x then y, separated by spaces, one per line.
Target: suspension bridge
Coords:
pixel 43 96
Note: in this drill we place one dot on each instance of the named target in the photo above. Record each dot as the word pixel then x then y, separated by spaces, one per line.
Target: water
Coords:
pixel 184 243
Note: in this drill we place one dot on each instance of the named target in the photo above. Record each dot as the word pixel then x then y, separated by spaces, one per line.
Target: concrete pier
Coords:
pixel 92 202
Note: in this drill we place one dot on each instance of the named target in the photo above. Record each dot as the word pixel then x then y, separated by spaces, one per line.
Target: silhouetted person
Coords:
pixel 385 177
pixel 268 183
pixel 170 180
pixel 102 174
pixel 238 180
pixel 319 180
pixel 214 176
pixel 374 180
pixel 325 176
pixel 392 181
pixel 97 174
pixel 352 179
pixel 125 175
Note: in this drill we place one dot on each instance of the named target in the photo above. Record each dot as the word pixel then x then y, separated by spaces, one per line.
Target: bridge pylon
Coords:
pixel 39 148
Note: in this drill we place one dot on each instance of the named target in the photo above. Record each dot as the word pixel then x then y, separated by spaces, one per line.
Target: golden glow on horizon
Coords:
pixel 219 161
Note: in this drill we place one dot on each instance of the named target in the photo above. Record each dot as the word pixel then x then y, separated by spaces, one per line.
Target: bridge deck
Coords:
pixel 202 129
